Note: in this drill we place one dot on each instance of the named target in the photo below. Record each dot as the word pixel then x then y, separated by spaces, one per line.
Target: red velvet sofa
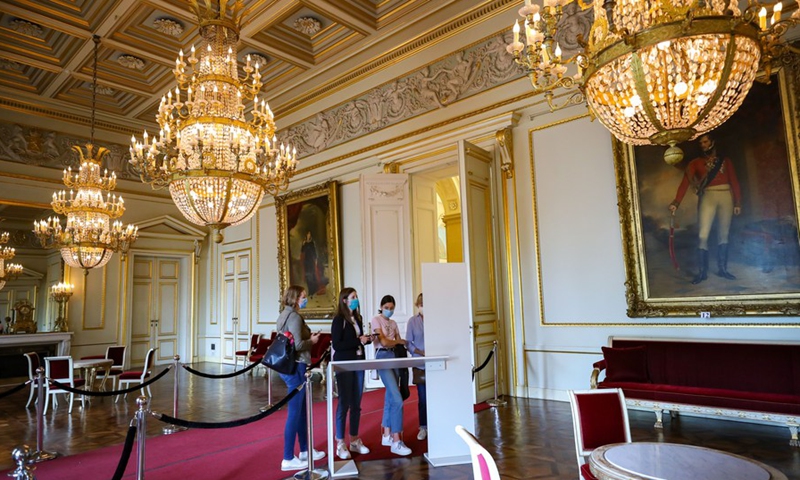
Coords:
pixel 740 379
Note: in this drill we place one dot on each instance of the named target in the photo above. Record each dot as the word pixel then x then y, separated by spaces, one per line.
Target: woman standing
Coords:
pixel 415 343
pixel 388 339
pixel 348 339
pixel 290 320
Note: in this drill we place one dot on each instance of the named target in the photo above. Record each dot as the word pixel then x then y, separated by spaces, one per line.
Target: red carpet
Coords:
pixel 253 450
pixel 479 407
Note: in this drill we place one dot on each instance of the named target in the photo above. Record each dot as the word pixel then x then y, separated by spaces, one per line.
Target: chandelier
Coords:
pixel 12 270
pixel 89 238
pixel 655 72
pixel 216 162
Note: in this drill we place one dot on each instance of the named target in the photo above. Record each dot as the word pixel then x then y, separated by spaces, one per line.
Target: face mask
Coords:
pixel 388 313
pixel 420 310
pixel 303 302
pixel 353 304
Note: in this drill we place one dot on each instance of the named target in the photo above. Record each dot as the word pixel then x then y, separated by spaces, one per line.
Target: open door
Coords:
pixel 475 165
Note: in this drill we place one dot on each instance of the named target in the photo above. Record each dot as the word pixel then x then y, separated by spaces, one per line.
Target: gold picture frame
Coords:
pixel 663 253
pixel 308 246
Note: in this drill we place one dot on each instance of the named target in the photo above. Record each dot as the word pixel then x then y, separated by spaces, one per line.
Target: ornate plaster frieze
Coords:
pixel 47 148
pixel 307 25
pixel 129 61
pixel 27 28
pixel 261 60
pixel 101 89
pixel 459 76
pixel 168 26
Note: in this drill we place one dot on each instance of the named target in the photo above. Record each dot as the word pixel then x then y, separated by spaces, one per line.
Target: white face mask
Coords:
pixel 419 309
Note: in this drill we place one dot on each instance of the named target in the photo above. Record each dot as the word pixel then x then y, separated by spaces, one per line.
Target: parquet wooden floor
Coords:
pixel 530 439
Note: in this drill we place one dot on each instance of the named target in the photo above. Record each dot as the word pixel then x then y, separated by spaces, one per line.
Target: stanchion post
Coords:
pixel 23 458
pixel 311 473
pixel 170 429
pixel 141 433
pixel 40 455
pixel 495 402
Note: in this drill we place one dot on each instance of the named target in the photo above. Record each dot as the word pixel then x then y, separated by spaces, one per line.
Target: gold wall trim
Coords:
pixel 23 107
pixel 415 132
pixel 401 52
pixel 17 203
pixel 509 276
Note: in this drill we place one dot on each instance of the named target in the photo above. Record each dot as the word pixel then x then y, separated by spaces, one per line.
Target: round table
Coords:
pixel 90 366
pixel 670 461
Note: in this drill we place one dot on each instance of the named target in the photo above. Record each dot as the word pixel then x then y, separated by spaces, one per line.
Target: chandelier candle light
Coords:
pixel 89 238
pixel 61 293
pixel 12 270
pixel 656 72
pixel 216 163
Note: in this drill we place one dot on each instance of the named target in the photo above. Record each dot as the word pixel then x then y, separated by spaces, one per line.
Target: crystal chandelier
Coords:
pixel 656 72
pixel 12 270
pixel 216 163
pixel 89 238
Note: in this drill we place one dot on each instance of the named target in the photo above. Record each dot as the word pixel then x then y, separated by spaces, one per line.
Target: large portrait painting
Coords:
pixel 731 248
pixel 308 246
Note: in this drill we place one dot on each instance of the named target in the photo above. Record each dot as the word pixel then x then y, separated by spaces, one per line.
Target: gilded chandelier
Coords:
pixel 12 270
pixel 89 238
pixel 656 72
pixel 216 163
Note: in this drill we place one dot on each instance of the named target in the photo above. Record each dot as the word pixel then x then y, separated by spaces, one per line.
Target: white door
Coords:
pixel 426 223
pixel 159 309
pixel 235 305
pixel 480 256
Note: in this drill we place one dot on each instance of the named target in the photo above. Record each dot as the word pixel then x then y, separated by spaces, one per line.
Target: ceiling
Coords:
pixel 46 48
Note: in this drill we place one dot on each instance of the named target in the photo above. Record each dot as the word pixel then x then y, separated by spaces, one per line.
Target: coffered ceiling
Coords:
pixel 46 48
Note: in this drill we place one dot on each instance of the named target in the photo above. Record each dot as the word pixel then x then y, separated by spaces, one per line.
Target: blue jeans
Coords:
pixel 422 392
pixel 351 387
pixel 296 421
pixel 393 403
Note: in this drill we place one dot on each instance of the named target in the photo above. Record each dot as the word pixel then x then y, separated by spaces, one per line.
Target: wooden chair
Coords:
pixel 33 364
pixel 243 354
pixel 60 369
pixel 116 353
pixel 483 465
pixel 599 417
pixel 258 353
pixel 132 377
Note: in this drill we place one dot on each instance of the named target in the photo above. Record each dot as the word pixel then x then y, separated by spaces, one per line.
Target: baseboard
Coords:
pixel 547 394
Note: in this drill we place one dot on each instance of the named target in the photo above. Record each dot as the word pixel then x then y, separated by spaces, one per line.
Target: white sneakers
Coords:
pixel 400 448
pixel 386 440
pixel 357 446
pixel 293 464
pixel 423 433
pixel 341 450
pixel 317 455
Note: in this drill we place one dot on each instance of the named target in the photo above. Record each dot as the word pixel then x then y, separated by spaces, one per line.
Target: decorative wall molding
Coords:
pixel 47 148
pixel 27 28
pixel 307 25
pixel 461 75
pixel 168 26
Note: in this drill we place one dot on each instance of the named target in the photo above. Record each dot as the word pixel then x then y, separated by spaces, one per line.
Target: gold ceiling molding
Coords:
pixel 23 107
pixel 472 70
pixel 401 52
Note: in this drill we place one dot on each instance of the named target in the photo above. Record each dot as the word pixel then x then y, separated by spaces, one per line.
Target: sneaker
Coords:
pixel 293 464
pixel 341 450
pixel 423 433
pixel 400 448
pixel 386 440
pixel 317 455
pixel 357 446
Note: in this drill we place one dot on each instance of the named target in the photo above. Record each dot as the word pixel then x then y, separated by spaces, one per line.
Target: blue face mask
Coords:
pixel 353 304
pixel 388 313
pixel 303 302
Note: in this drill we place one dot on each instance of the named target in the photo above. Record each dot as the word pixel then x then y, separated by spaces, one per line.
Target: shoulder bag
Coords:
pixel 280 355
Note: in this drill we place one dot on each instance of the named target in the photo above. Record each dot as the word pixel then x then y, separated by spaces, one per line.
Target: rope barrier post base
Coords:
pixel 141 432
pixel 23 457
pixel 40 455
pixel 311 473
pixel 170 429
pixel 269 392
pixel 495 402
